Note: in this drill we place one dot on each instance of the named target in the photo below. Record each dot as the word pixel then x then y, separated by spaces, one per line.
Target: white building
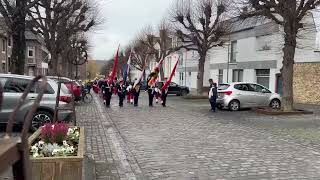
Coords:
pixel 253 53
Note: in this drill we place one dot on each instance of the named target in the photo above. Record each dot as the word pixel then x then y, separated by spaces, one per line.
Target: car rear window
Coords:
pixel 223 86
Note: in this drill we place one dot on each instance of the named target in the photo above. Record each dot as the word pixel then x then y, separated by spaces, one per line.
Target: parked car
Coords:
pixel 14 86
pixel 176 89
pixel 72 85
pixel 246 95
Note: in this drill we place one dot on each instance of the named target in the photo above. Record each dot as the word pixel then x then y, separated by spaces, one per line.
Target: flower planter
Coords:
pixel 58 168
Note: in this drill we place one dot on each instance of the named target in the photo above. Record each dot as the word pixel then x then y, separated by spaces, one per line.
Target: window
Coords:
pixel 49 89
pixel 3 45
pixel 233 57
pixel 181 76
pixel 242 87
pixel 173 84
pixel 258 88
pixel 237 75
pixel 263 77
pixel 9 41
pixel 180 59
pixel 220 76
pixel 30 52
pixel 3 67
pixel 15 85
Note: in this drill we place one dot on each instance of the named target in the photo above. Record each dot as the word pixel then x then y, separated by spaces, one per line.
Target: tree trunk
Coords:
pixel 287 69
pixel 53 65
pixel 200 74
pixel 18 39
pixel 161 73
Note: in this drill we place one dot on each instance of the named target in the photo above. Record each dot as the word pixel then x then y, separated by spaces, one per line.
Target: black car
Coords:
pixel 176 89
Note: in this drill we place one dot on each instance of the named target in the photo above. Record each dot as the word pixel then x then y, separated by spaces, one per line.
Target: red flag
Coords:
pixel 115 66
pixel 167 83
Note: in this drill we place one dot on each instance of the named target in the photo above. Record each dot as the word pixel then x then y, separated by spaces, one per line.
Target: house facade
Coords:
pixel 253 53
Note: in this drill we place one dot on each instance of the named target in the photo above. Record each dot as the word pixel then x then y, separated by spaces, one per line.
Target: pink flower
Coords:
pixel 54 132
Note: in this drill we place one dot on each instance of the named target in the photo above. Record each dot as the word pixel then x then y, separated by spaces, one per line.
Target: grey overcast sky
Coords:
pixel 122 21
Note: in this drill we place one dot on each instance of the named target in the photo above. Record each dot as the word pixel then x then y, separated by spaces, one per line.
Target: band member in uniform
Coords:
pixel 129 92
pixel 164 94
pixel 136 93
pixel 107 93
pixel 151 95
pixel 121 92
pixel 157 93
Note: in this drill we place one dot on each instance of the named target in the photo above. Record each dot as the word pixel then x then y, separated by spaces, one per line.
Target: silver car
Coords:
pixel 14 86
pixel 246 95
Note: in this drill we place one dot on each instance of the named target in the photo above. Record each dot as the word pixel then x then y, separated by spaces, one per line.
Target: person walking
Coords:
pixel 151 92
pixel 129 92
pixel 157 93
pixel 121 93
pixel 164 94
pixel 213 95
pixel 136 93
pixel 107 93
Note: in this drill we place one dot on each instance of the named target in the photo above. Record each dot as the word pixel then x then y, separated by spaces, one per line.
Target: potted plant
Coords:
pixel 56 152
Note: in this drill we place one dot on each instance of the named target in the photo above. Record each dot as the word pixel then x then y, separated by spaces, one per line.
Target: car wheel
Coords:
pixel 184 93
pixel 275 104
pixel 40 118
pixel 234 105
pixel 87 98
pixel 219 106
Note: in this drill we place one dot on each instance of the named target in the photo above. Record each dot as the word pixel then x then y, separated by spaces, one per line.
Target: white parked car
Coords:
pixel 246 95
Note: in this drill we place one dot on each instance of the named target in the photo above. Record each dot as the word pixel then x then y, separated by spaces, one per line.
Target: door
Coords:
pixel 261 94
pixel 244 95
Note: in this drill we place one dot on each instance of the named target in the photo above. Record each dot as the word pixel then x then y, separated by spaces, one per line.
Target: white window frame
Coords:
pixel 33 50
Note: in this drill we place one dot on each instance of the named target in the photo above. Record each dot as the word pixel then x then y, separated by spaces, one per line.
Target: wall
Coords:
pixel 306 83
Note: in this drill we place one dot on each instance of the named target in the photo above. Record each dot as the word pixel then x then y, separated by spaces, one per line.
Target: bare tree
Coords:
pixel 14 14
pixel 59 20
pixel 289 14
pixel 200 26
pixel 141 56
pixel 160 45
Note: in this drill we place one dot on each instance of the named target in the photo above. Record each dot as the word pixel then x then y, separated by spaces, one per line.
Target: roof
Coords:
pixel 31 36
pixel 239 24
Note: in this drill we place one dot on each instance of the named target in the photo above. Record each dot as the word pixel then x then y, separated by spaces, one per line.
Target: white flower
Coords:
pixel 77 133
pixel 40 144
pixel 65 143
pixel 35 155
pixel 34 149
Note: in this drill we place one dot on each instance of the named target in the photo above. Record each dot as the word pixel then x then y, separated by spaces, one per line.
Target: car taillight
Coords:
pixel 228 93
pixel 66 99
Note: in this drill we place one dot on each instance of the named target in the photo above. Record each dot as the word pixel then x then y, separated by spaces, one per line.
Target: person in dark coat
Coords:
pixel 136 93
pixel 164 94
pixel 121 92
pixel 107 93
pixel 213 95
pixel 151 93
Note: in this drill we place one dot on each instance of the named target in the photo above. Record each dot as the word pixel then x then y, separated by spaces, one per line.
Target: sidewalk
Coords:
pixel 112 158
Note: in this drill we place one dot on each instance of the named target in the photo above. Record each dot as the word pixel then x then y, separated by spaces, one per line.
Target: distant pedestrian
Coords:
pixel 107 93
pixel 151 93
pixel 129 92
pixel 157 93
pixel 213 95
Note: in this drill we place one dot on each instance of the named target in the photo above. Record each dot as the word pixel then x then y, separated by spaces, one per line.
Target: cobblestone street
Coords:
pixel 186 141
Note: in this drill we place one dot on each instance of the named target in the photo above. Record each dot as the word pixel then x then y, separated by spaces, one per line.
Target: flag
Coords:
pixel 167 83
pixel 153 76
pixel 115 66
pixel 127 68
pixel 139 79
